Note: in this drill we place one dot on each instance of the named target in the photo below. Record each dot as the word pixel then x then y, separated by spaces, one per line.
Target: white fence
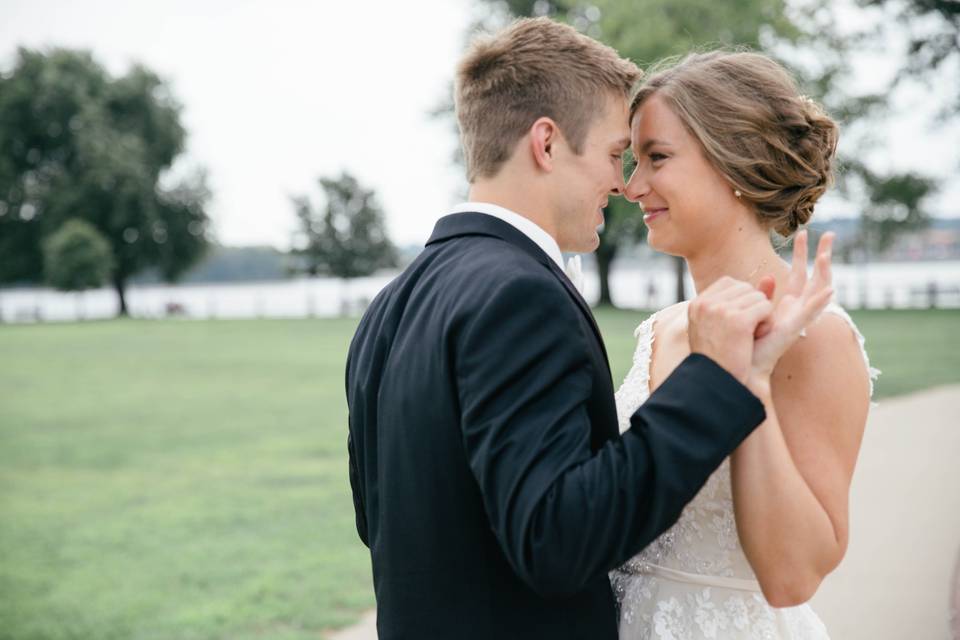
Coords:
pixel 633 285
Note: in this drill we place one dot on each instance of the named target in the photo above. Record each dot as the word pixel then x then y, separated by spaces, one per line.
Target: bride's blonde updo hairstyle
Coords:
pixel 775 146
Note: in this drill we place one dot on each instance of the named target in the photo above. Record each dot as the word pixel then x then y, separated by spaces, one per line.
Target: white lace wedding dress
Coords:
pixel 694 581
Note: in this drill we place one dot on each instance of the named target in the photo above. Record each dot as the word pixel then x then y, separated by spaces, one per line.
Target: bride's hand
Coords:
pixel 802 301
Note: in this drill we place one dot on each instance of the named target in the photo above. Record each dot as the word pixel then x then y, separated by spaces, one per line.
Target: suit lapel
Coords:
pixel 584 307
pixel 463 224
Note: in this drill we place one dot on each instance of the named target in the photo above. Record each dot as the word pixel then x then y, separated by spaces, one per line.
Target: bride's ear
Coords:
pixel 544 135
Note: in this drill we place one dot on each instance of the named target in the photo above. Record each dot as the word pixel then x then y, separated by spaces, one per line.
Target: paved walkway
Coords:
pixel 895 581
pixel 366 629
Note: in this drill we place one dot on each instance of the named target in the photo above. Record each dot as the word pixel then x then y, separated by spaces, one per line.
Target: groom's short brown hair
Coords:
pixel 535 67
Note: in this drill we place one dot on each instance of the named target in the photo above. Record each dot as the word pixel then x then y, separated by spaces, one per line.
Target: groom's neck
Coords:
pixel 523 200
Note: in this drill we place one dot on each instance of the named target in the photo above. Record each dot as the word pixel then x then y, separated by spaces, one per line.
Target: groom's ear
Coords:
pixel 544 135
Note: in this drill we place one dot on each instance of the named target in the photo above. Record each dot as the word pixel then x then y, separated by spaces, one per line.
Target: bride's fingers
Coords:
pixel 815 304
pixel 822 276
pixel 798 268
pixel 767 286
pixel 824 258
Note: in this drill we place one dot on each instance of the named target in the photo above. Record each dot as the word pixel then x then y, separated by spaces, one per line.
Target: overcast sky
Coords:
pixel 276 94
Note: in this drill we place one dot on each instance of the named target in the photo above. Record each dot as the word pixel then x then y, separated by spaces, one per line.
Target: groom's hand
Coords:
pixel 722 323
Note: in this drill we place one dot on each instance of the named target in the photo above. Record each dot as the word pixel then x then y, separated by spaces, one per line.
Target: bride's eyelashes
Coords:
pixel 656 157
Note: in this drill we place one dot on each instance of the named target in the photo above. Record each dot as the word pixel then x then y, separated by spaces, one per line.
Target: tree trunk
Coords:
pixel 679 269
pixel 120 286
pixel 344 297
pixel 605 254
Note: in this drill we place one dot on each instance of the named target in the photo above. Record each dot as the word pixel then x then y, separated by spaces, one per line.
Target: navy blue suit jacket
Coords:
pixel 489 478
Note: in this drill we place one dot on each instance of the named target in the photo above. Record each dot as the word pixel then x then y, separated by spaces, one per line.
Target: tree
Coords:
pixel 78 143
pixel 934 40
pixel 77 257
pixel 895 205
pixel 895 201
pixel 347 238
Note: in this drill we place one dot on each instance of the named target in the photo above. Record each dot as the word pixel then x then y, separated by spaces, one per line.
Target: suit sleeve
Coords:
pixel 562 513
pixel 355 487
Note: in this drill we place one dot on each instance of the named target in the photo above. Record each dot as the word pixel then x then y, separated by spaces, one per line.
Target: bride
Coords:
pixel 728 150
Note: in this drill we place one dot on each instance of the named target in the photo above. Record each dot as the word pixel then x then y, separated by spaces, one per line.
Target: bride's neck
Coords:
pixel 745 254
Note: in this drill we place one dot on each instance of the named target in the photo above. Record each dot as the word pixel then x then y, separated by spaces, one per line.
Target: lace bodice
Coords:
pixel 694 581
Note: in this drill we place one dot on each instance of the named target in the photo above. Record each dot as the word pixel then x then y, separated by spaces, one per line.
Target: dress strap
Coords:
pixel 645 336
pixel 634 390
pixel 836 309
pixel 645 327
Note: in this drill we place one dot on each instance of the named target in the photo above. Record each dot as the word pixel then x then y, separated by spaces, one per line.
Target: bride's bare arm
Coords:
pixel 791 477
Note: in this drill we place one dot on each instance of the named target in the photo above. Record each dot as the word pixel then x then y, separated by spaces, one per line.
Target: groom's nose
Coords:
pixel 618 186
pixel 636 187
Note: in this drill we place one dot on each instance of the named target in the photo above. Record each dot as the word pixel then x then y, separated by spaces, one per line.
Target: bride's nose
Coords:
pixel 637 186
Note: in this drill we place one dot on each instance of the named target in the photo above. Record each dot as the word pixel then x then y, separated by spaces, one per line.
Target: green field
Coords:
pixel 180 479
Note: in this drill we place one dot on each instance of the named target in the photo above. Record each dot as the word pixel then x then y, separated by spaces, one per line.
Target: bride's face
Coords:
pixel 687 204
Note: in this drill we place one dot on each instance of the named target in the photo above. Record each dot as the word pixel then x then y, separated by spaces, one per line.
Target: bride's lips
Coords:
pixel 652 214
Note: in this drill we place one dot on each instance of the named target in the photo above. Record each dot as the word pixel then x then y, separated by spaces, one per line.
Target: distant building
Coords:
pixel 926 244
pixel 940 240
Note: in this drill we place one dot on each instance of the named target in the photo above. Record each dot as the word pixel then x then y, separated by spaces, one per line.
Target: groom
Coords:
pixel 489 478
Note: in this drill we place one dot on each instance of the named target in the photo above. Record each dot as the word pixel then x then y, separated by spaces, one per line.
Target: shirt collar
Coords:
pixel 526 226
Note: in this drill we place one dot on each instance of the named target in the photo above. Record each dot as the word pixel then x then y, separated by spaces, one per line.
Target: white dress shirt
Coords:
pixel 525 226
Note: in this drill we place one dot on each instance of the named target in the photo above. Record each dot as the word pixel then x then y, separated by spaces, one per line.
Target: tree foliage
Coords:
pixel 76 142
pixel 895 204
pixel 934 41
pixel 76 257
pixel 347 237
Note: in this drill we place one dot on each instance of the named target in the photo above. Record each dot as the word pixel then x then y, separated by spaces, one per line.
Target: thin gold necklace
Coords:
pixel 754 272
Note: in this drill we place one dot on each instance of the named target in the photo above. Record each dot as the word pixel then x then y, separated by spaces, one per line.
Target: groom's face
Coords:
pixel 585 181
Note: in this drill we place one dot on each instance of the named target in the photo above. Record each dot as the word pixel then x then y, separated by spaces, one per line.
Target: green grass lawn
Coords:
pixel 915 349
pixel 188 480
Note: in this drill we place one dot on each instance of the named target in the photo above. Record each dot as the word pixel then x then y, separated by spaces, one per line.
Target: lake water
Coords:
pixel 633 285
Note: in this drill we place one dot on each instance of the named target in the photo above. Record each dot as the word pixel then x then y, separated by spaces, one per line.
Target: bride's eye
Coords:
pixel 657 157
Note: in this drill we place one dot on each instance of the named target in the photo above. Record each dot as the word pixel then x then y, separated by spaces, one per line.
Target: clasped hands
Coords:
pixel 741 328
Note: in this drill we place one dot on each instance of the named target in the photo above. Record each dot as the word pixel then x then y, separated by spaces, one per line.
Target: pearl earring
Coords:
pixel 737 193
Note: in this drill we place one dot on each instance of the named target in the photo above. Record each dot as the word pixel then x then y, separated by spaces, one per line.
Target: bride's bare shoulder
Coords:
pixel 824 375
pixel 829 348
pixel 673 317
